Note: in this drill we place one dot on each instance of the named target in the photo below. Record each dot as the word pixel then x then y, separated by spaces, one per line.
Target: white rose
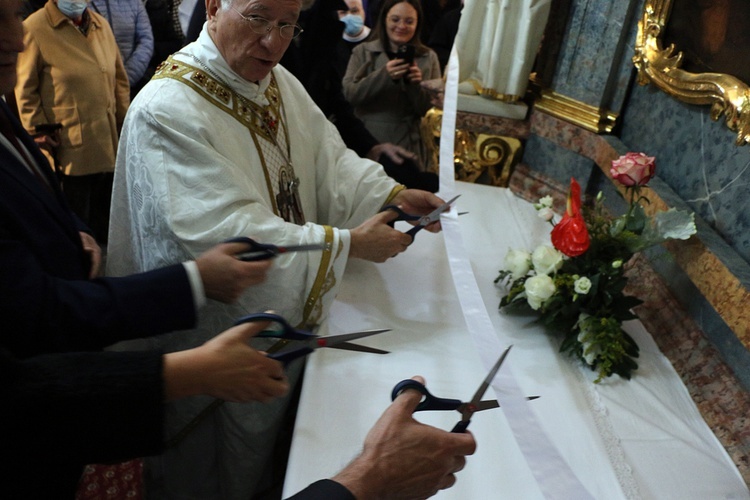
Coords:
pixel 582 285
pixel 546 259
pixel 538 289
pixel 518 262
pixel 545 201
pixel 545 213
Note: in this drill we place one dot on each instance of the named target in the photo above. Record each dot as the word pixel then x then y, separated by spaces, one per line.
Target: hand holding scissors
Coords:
pixel 433 403
pixel 306 342
pixel 265 251
pixel 422 221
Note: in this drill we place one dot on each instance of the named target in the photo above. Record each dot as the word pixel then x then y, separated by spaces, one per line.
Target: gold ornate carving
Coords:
pixel 726 94
pixel 481 158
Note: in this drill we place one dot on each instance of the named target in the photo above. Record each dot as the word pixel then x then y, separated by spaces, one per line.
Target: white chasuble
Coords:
pixel 498 41
pixel 196 166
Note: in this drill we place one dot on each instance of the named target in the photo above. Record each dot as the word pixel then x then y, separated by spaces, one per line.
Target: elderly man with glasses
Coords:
pixel 223 143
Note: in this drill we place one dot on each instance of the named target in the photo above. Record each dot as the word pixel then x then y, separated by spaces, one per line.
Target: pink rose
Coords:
pixel 633 169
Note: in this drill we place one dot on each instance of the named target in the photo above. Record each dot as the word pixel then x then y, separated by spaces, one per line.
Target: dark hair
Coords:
pixel 382 34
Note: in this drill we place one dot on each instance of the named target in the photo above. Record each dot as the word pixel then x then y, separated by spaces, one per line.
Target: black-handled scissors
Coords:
pixel 265 251
pixel 306 342
pixel 422 220
pixel 433 403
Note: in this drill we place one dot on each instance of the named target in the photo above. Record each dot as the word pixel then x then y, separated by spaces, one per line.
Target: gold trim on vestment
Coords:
pixel 394 192
pixel 324 282
pixel 249 114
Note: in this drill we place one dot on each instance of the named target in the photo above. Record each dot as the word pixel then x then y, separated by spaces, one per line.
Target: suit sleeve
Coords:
pixel 43 312
pixel 81 407
pixel 324 489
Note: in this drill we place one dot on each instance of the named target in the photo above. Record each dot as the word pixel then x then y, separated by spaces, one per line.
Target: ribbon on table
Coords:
pixel 553 474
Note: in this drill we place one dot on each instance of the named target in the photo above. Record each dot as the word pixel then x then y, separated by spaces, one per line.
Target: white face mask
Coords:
pixel 72 8
pixel 353 24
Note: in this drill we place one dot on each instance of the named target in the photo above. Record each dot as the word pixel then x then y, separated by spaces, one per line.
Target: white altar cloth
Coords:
pixel 642 438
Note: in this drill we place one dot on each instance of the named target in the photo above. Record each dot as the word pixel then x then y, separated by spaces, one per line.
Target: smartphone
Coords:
pixel 406 52
pixel 47 128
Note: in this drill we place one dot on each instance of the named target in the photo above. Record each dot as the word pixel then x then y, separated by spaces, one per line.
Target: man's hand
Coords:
pixel 403 458
pixel 227 368
pixel 418 202
pixel 91 248
pixel 224 276
pixel 376 241
pixel 396 153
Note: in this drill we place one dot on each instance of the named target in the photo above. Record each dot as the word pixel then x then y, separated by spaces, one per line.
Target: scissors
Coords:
pixel 307 342
pixel 265 251
pixel 433 403
pixel 422 220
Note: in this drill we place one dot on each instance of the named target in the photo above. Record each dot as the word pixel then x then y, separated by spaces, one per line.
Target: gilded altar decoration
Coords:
pixel 577 283
pixel 662 66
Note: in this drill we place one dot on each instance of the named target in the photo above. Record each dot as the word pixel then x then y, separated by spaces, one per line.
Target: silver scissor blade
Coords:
pixel 333 340
pixel 434 216
pixel 490 376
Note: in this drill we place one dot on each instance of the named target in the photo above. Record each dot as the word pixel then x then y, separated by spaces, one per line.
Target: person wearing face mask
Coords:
pixel 72 73
pixel 354 22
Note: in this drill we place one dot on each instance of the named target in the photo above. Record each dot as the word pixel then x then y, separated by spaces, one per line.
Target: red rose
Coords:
pixel 570 235
pixel 633 169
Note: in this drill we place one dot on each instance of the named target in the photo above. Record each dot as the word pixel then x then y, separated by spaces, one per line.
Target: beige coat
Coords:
pixel 76 80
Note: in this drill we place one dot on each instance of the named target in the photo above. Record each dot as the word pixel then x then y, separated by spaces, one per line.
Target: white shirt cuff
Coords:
pixel 196 284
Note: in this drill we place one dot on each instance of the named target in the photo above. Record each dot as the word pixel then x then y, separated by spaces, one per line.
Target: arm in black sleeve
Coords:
pixel 325 489
pixel 63 411
pixel 47 312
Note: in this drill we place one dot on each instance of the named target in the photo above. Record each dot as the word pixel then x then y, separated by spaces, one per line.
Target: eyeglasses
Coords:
pixel 263 26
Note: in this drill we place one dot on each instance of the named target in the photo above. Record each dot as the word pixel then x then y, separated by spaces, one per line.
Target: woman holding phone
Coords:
pixel 384 74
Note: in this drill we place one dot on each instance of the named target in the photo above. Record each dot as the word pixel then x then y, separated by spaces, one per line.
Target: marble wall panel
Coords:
pixel 697 158
pixel 593 65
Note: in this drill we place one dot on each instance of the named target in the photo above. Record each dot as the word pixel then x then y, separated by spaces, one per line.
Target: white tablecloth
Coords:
pixel 642 438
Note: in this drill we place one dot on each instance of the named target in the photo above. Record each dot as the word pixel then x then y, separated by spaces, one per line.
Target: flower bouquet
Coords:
pixel 576 285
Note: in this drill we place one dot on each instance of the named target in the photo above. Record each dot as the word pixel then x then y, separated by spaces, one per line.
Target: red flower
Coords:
pixel 570 235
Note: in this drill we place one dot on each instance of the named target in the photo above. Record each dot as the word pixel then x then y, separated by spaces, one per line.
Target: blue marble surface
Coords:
pixel 593 66
pixel 697 158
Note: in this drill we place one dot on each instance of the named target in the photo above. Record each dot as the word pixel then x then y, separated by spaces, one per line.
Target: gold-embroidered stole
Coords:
pixel 266 125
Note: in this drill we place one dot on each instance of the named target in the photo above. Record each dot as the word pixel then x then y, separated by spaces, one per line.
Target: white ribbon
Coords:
pixel 553 474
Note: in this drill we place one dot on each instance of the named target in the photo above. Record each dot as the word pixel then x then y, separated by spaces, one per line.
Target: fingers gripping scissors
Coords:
pixel 433 403
pixel 422 220
pixel 265 251
pixel 306 342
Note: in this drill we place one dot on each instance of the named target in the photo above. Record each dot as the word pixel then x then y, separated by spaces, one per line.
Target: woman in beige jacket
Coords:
pixel 71 73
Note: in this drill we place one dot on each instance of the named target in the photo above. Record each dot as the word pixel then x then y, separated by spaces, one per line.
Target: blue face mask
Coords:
pixel 352 24
pixel 72 8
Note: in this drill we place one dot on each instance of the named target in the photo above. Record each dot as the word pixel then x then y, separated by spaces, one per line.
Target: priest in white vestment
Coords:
pixel 222 144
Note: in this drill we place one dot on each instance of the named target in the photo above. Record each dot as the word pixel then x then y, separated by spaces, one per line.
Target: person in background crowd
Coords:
pixel 322 76
pixel 431 10
pixel 71 73
pixel 132 29
pixel 353 17
pixel 443 35
pixel 383 84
